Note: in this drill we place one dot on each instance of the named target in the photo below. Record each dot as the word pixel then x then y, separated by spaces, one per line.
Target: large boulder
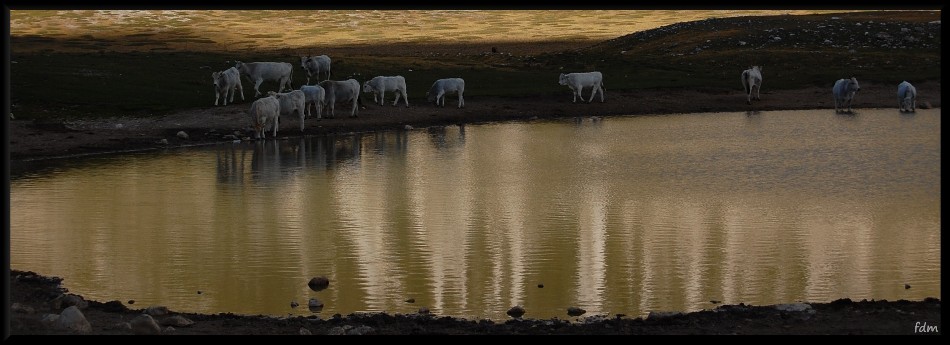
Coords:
pixel 72 319
pixel 177 321
pixel 145 325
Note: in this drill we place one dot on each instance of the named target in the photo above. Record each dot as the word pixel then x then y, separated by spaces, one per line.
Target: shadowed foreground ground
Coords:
pixel 32 296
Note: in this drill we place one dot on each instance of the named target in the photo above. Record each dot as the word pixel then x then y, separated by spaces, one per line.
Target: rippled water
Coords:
pixel 620 215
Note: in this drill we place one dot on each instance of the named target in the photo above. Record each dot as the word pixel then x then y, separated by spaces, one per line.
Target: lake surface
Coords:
pixel 616 215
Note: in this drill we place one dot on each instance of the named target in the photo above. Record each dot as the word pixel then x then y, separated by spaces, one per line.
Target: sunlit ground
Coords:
pixel 233 30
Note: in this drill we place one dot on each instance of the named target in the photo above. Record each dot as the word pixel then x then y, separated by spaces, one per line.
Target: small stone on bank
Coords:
pixel 182 134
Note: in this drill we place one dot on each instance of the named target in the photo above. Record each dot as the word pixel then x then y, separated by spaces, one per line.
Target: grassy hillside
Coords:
pixel 796 51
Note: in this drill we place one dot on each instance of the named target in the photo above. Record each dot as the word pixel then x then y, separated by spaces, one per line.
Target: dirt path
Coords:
pixel 31 140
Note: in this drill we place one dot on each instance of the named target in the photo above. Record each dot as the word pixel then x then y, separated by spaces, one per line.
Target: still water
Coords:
pixel 620 215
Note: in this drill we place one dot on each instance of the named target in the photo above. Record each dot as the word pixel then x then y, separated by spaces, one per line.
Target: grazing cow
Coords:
pixel 578 81
pixel 314 65
pixel 265 111
pixel 290 102
pixel 380 85
pixel 224 83
pixel 843 91
pixel 258 72
pixel 316 95
pixel 446 86
pixel 752 79
pixel 341 91
pixel 907 97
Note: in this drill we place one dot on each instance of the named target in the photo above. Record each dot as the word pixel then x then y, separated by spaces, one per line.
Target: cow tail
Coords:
pixel 291 82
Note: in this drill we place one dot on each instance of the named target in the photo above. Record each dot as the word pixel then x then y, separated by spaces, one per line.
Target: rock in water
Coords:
pixel 575 311
pixel 319 283
pixel 315 303
pixel 516 311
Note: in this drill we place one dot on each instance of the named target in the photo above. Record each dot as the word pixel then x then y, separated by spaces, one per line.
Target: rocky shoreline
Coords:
pixel 40 306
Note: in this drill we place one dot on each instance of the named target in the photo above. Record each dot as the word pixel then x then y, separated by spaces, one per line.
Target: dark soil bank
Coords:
pixel 33 296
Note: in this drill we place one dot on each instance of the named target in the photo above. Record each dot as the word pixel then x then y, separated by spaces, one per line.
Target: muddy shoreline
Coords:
pixel 33 296
pixel 53 137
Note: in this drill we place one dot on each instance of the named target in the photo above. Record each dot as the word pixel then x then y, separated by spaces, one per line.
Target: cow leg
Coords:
pixel 382 98
pixel 302 117
pixel 461 100
pixel 355 109
pixel 757 89
pixel 601 88
pixel 257 87
pixel 216 96
pixel 405 98
pixel 397 98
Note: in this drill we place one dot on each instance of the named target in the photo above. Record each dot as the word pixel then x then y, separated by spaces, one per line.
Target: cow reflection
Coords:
pixel 447 137
pixel 274 160
pixel 230 164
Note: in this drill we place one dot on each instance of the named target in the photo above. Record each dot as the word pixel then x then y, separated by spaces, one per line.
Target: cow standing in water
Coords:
pixel 906 97
pixel 752 79
pixel 844 91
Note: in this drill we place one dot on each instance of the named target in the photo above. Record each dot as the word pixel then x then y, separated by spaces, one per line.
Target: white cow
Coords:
pixel 381 85
pixel 446 86
pixel 341 91
pixel 578 81
pixel 265 111
pixel 314 65
pixel 224 83
pixel 752 79
pixel 907 97
pixel 843 91
pixel 316 95
pixel 290 102
pixel 258 72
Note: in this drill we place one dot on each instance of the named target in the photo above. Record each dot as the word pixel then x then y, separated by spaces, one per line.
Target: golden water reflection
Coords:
pixel 625 215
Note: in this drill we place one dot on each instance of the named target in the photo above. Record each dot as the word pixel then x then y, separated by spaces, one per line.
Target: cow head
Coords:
pixel 430 97
pixel 367 87
pixel 214 78
pixel 562 79
pixel 853 85
pixel 303 61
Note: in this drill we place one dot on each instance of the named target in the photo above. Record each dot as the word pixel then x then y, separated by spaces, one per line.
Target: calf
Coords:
pixel 316 95
pixel 445 86
pixel 578 81
pixel 291 102
pixel 224 83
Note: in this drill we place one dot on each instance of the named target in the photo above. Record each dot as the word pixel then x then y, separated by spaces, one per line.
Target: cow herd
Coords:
pixel 265 112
